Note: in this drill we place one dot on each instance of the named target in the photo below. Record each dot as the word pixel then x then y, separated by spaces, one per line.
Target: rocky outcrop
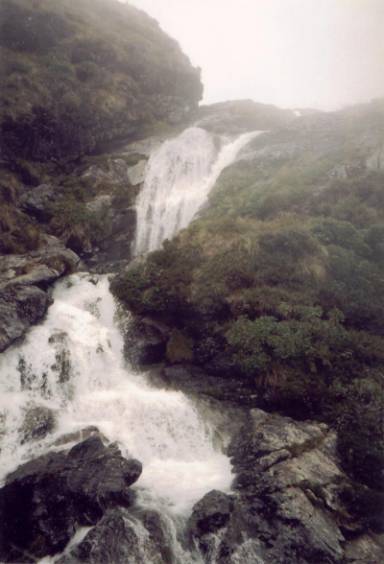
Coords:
pixel 288 503
pixel 124 536
pixel 44 501
pixel 24 281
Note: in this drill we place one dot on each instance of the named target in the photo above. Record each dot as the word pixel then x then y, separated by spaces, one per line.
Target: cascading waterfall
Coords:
pixel 179 177
pixel 73 364
pixel 161 428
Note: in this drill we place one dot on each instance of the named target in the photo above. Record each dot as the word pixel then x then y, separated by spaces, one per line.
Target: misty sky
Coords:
pixel 313 53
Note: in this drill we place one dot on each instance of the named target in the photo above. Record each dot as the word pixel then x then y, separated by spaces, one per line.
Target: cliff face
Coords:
pixel 78 75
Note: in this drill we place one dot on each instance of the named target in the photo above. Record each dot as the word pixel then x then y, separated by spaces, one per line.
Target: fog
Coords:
pixel 293 53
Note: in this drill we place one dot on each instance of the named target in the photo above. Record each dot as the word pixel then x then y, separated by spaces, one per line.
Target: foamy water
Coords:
pixel 179 176
pixel 162 428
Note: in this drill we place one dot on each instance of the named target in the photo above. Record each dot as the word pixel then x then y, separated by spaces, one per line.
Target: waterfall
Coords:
pixel 73 365
pixel 178 179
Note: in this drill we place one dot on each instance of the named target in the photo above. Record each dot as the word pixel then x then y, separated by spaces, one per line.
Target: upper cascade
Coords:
pixel 179 177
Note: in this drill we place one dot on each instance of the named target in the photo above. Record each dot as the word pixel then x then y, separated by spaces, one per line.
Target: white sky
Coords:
pixel 312 53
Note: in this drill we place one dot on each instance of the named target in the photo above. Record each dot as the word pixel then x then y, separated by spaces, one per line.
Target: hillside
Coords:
pixel 279 284
pixel 78 75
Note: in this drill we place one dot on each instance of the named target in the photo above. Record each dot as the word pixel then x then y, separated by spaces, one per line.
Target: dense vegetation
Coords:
pixel 76 75
pixel 281 281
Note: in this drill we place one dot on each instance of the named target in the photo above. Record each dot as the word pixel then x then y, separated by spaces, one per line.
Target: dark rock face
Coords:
pixel 145 342
pixel 287 503
pixel 46 499
pixel 20 307
pixel 24 280
pixel 211 513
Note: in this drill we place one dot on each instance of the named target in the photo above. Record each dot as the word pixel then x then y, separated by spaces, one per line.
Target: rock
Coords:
pixel 38 422
pixel 24 280
pixel 145 342
pixel 211 513
pixel 136 174
pixel 81 435
pixel 365 550
pixel 20 307
pixel 46 499
pixel 38 201
pixel 121 536
pixel 287 503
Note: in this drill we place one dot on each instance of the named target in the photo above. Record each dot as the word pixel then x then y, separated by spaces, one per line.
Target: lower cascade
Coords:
pixel 72 366
pixel 179 177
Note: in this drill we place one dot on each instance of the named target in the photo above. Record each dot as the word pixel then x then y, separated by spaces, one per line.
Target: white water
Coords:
pixel 178 179
pixel 163 429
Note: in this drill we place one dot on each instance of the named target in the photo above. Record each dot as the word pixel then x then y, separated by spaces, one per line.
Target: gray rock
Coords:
pixel 24 280
pixel 20 307
pixel 122 537
pixel 211 513
pixel 38 201
pixel 38 422
pixel 136 174
pixel 288 500
pixel 46 499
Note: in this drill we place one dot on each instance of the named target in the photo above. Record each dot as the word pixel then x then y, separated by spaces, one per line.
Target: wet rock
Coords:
pixel 38 422
pixel 46 499
pixel 288 503
pixel 24 281
pixel 211 513
pixel 121 536
pixel 20 307
pixel 81 435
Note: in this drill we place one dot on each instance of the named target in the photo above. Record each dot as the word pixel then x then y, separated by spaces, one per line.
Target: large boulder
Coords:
pixel 288 501
pixel 125 536
pixel 46 499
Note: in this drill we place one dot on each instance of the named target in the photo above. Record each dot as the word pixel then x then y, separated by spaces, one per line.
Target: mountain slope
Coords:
pixel 77 75
pixel 280 282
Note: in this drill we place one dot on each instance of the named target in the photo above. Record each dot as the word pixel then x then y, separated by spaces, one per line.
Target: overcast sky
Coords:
pixel 293 53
